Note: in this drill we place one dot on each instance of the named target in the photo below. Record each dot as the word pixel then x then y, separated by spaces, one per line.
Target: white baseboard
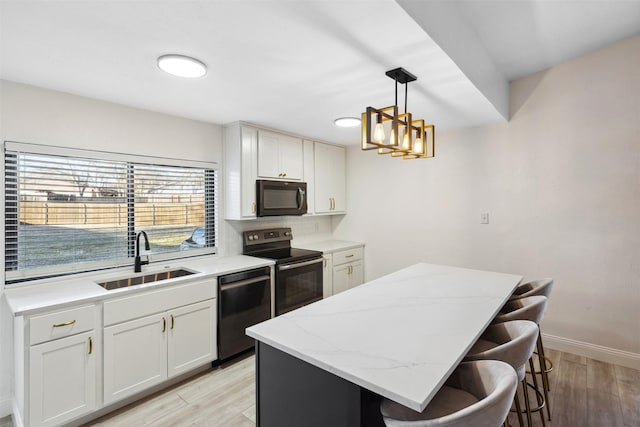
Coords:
pixel 5 408
pixel 17 421
pixel 593 351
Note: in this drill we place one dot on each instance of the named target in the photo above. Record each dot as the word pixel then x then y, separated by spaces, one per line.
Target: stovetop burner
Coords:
pixel 275 243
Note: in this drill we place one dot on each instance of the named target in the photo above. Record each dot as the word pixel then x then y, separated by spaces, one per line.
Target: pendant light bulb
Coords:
pixel 378 133
pixel 392 138
pixel 417 145
pixel 405 140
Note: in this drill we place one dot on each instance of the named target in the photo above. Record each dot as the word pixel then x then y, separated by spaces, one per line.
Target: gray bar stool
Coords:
pixel 534 288
pixel 476 394
pixel 527 308
pixel 511 342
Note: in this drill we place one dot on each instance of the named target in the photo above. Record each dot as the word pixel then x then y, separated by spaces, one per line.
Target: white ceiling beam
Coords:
pixel 441 20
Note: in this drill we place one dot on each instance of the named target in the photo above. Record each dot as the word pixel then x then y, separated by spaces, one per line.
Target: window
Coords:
pixel 72 210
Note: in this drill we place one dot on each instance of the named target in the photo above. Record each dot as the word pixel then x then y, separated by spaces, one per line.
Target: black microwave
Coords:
pixel 277 198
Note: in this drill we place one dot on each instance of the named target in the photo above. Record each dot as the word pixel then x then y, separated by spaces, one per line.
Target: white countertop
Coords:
pixel 329 246
pixel 399 336
pixel 74 289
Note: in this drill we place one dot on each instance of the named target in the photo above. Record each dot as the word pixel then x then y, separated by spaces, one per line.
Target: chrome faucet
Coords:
pixel 139 263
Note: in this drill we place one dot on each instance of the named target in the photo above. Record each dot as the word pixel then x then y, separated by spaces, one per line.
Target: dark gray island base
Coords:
pixel 293 393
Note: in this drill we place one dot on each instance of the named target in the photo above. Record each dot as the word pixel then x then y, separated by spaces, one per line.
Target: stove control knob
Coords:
pixel 255 237
pixel 287 233
pixel 250 236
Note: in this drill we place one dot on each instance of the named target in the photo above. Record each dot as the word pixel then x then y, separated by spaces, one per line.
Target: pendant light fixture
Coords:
pixel 389 132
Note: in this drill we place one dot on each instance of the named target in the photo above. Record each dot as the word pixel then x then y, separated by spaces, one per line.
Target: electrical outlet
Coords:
pixel 484 218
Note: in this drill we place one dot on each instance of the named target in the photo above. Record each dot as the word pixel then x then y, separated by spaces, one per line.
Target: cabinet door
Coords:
pixel 192 336
pixel 135 356
pixel 356 276
pixel 268 156
pixel 330 187
pixel 62 379
pixel 279 156
pixel 249 167
pixel 322 166
pixel 327 276
pixel 340 278
pixel 337 178
pixel 290 154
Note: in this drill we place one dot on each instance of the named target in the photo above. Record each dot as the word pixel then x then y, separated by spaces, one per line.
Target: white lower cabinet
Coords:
pixel 56 367
pixel 144 352
pixel 347 276
pixel 62 379
pixel 72 362
pixel 135 356
pixel 192 337
pixel 348 270
pixel 342 270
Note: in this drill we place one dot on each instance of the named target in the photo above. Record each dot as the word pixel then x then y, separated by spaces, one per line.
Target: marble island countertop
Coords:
pixel 399 336
pixel 59 292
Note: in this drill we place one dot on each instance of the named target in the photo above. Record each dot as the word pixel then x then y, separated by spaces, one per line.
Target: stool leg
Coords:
pixel 544 360
pixel 518 409
pixel 526 402
pixel 541 401
pixel 545 379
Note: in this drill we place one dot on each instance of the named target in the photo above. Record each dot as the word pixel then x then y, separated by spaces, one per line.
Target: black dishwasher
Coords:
pixel 244 299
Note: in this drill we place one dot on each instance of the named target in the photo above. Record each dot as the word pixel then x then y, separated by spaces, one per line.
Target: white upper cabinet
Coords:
pixel 241 171
pixel 279 156
pixel 251 153
pixel 330 175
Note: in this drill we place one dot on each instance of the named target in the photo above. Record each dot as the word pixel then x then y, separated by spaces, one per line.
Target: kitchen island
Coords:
pixel 399 337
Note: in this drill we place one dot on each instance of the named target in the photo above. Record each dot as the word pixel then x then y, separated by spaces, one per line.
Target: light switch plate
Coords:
pixel 484 218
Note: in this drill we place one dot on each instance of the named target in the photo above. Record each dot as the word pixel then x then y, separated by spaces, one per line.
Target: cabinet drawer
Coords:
pixel 150 302
pixel 347 256
pixel 58 324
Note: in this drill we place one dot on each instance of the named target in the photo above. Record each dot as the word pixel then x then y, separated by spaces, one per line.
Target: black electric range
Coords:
pixel 298 272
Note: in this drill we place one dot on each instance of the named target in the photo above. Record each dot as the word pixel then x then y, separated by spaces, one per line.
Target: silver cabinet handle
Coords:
pixel 253 207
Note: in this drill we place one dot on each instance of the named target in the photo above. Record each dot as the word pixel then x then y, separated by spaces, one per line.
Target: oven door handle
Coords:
pixel 232 285
pixel 299 264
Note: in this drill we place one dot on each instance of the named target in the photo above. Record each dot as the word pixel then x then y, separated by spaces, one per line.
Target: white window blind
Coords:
pixel 76 210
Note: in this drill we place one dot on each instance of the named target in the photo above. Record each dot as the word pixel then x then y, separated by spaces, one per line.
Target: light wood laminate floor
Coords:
pixel 584 392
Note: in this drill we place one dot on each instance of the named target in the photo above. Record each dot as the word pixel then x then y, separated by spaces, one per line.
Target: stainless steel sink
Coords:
pixel 147 278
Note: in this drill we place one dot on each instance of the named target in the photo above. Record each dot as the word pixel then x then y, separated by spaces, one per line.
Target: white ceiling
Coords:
pixel 298 65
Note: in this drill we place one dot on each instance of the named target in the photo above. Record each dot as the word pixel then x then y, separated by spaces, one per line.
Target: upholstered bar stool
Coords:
pixel 476 394
pixel 533 288
pixel 528 308
pixel 510 342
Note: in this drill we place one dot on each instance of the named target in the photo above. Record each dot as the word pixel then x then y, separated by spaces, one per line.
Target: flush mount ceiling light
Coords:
pixel 347 122
pixel 377 123
pixel 182 66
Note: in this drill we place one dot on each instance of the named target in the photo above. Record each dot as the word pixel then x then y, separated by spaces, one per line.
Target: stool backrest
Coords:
pixel 515 341
pixel 534 287
pixel 527 308
pixel 491 381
